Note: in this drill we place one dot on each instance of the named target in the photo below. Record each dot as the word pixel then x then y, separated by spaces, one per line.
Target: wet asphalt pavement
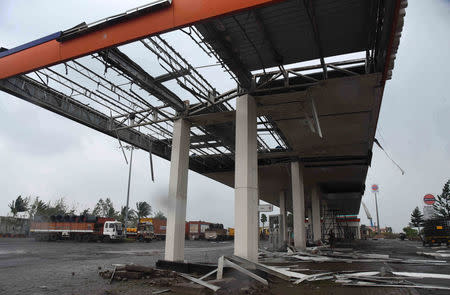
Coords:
pixel 65 267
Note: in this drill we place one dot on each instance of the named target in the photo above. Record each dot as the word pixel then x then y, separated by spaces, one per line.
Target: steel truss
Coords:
pixel 107 101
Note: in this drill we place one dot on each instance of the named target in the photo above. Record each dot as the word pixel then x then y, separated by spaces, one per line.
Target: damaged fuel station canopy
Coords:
pixel 316 68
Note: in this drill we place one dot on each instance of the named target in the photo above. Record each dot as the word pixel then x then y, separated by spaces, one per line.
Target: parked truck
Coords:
pixel 159 227
pixel 436 231
pixel 230 233
pixel 79 228
pixel 145 231
pixel 216 232
pixel 195 230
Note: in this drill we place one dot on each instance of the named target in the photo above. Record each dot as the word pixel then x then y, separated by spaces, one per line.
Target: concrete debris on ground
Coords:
pixel 183 284
pixel 246 277
pixel 327 254
pixel 381 278
pixel 438 254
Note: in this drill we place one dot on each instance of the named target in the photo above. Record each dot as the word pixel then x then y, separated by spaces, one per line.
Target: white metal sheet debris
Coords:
pixel 421 275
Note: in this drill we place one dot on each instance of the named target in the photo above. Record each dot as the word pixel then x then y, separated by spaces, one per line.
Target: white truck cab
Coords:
pixel 113 230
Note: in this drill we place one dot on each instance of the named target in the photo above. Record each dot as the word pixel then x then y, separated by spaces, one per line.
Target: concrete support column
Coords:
pixel 176 211
pixel 246 180
pixel 315 206
pixel 283 225
pixel 298 205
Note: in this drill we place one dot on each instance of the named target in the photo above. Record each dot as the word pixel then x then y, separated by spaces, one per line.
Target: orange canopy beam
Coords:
pixel 180 14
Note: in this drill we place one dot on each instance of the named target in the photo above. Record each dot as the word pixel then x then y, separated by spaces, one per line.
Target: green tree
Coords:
pixel 160 215
pixel 143 209
pixel 37 208
pixel 410 232
pixel 442 204
pixel 131 215
pixel 18 205
pixel 263 219
pixel 58 207
pixel 86 211
pixel 416 218
pixel 104 208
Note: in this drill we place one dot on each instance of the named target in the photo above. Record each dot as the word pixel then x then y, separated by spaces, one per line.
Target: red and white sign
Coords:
pixel 374 188
pixel 429 199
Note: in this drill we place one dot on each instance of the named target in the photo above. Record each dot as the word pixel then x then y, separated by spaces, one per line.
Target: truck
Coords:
pixel 159 227
pixel 145 231
pixel 78 228
pixel 216 232
pixel 436 231
pixel 195 230
pixel 230 233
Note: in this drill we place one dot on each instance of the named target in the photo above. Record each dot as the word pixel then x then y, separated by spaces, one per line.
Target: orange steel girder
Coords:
pixel 180 14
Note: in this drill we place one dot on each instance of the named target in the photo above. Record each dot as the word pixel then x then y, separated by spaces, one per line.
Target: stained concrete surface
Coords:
pixel 29 267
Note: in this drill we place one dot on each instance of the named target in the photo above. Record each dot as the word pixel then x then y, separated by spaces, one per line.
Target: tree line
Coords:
pixel 104 208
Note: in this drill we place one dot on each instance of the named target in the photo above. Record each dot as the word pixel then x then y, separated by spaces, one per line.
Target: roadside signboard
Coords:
pixel 375 188
pixel 429 199
pixel 265 208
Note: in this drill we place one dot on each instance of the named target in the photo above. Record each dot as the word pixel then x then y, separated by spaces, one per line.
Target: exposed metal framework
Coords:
pixel 100 84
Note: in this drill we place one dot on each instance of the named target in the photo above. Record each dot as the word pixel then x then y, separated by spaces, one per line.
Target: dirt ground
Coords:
pixel 29 267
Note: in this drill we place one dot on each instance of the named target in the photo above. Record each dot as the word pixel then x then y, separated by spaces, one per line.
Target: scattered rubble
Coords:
pixel 254 278
pixel 381 278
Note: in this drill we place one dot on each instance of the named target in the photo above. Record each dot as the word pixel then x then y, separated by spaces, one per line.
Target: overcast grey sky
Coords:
pixel 43 154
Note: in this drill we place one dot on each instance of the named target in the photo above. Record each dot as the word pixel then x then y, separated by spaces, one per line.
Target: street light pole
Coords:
pixel 129 180
pixel 378 218
pixel 128 192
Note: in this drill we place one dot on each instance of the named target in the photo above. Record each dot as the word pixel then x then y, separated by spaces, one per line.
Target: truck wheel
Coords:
pixel 106 239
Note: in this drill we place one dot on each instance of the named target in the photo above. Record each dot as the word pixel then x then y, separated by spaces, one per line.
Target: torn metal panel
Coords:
pixel 200 282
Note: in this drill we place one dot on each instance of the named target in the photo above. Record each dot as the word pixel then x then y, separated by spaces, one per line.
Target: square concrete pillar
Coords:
pixel 298 205
pixel 315 206
pixel 246 180
pixel 283 226
pixel 176 211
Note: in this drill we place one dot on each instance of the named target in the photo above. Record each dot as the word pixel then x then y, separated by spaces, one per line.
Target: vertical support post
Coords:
pixel 315 206
pixel 176 211
pixel 246 180
pixel 283 225
pixel 298 205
